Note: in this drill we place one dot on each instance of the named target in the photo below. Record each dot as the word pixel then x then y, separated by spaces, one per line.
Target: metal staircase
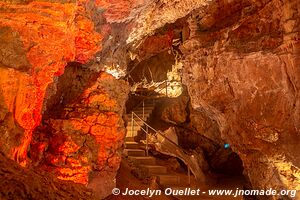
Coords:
pixel 137 151
pixel 142 111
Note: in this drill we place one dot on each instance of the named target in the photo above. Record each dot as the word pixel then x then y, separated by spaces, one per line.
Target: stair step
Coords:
pixel 138 120
pixel 129 139
pixel 135 118
pixel 134 132
pixel 147 106
pixel 168 179
pixel 149 103
pixel 134 152
pixel 143 160
pixel 149 109
pixel 139 124
pixel 154 169
pixel 129 133
pixel 135 128
pixel 138 114
pixel 141 109
pixel 132 145
pixel 135 123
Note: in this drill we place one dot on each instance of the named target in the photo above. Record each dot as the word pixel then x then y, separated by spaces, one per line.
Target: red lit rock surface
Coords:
pixel 45 36
pixel 241 67
pixel 83 144
pixel 19 183
pixel 38 39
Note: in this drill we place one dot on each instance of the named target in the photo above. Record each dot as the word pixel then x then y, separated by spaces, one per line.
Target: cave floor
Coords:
pixel 125 179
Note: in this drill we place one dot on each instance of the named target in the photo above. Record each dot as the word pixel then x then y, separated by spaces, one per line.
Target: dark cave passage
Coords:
pixel 219 164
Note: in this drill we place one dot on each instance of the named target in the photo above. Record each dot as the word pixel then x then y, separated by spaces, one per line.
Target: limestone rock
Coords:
pixel 20 183
pixel 44 36
pixel 84 143
pixel 241 72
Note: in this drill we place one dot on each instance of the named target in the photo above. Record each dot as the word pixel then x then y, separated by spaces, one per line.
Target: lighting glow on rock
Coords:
pixel 52 37
pixel 173 90
pixel 174 85
pixel 287 170
pixel 115 71
pixel 150 19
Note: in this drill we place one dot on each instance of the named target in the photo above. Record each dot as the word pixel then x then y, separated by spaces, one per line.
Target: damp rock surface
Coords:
pixel 84 143
pixel 20 183
pixel 241 70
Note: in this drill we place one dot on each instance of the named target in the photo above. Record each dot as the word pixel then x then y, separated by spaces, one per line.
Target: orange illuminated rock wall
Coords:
pixel 83 143
pixel 38 39
pixel 21 183
pixel 116 10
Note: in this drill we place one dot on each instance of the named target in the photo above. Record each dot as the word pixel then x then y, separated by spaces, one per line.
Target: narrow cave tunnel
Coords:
pixel 190 99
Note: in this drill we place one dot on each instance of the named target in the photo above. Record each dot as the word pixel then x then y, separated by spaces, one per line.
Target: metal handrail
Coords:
pixel 157 87
pixel 151 128
pixel 168 82
pixel 158 132
pixel 165 81
pixel 145 123
pixel 146 131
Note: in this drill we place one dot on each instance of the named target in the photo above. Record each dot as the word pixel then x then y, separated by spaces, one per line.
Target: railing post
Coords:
pixel 147 151
pixel 143 109
pixel 166 88
pixel 132 121
pixel 189 175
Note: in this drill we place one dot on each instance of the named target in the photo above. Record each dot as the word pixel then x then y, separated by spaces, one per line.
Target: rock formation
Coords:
pixel 82 142
pixel 45 36
pixel 62 112
pixel 19 183
pixel 240 68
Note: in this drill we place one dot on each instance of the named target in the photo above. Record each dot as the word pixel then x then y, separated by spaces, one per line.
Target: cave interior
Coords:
pixel 134 95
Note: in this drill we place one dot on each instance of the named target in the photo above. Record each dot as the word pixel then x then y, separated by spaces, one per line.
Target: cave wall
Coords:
pixel 38 39
pixel 83 141
pixel 241 68
pixel 197 133
pixel 21 183
pixel 153 69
